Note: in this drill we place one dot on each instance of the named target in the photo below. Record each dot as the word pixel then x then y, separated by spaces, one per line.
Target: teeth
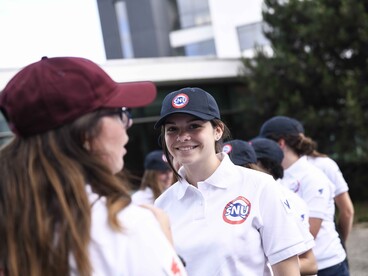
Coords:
pixel 186 148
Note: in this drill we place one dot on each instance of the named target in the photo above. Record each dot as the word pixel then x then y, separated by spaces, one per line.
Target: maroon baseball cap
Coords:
pixel 55 91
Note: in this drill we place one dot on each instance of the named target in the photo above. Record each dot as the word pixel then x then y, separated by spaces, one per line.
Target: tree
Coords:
pixel 317 72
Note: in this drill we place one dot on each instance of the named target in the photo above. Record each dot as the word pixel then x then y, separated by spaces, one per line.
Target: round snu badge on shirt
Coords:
pixel 180 100
pixel 237 210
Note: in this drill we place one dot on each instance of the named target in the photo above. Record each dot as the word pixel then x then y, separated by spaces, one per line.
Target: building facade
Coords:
pixel 175 44
pixel 162 28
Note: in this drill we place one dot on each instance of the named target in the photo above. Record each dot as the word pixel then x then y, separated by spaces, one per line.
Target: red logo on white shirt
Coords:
pixel 175 268
pixel 237 210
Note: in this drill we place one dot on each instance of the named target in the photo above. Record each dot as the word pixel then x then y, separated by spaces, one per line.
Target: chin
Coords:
pixel 116 169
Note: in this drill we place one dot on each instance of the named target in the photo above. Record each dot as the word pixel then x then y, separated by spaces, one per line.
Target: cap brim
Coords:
pixel 132 94
pixel 201 116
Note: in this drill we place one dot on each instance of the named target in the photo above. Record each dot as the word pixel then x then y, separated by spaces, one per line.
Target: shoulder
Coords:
pixel 324 163
pixel 143 196
pixel 170 193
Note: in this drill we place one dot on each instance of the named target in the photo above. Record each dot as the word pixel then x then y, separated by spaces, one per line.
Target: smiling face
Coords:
pixel 110 142
pixel 191 141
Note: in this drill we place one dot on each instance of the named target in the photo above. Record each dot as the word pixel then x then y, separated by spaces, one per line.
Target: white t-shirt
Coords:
pixel 143 196
pixel 332 170
pixel 141 249
pixel 313 186
pixel 234 222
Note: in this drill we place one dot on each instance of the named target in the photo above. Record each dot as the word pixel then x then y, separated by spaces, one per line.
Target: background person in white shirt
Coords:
pixel 157 177
pixel 313 186
pixel 269 157
pixel 63 210
pixel 342 198
pixel 226 220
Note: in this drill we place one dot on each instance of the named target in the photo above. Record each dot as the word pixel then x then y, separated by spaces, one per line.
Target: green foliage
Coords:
pixel 317 72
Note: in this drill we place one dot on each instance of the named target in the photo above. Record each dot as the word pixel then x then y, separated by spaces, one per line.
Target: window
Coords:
pixel 193 13
pixel 251 35
pixel 124 29
pixel 203 48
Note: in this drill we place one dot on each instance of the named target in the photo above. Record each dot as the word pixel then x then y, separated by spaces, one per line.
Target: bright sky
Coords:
pixel 30 29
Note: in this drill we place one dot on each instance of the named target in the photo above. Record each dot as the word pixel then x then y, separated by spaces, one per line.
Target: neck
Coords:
pixel 195 173
pixel 290 158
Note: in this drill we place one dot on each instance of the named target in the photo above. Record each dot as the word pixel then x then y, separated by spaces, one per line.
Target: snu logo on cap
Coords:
pixel 180 100
pixel 227 148
pixel 237 210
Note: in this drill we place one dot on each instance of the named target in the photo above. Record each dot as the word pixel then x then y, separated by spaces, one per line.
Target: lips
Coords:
pixel 185 148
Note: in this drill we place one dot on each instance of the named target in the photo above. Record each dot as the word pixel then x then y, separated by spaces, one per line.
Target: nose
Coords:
pixel 183 137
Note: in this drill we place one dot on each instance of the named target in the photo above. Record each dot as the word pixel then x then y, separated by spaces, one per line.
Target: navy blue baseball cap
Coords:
pixel 281 125
pixel 240 152
pixel 267 148
pixel 190 100
pixel 156 160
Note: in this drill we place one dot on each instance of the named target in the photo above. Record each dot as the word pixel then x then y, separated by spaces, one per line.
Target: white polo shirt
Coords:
pixel 313 186
pixel 301 213
pixel 234 222
pixel 332 170
pixel 141 249
pixel 143 196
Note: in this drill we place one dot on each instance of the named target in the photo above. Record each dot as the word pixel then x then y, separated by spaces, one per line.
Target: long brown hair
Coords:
pixel 45 214
pixel 299 143
pixel 149 179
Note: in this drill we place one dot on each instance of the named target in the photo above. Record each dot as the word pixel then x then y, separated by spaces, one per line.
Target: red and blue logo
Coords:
pixel 227 148
pixel 180 100
pixel 237 210
pixel 295 186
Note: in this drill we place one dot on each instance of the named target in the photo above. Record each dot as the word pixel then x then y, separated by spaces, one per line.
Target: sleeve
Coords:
pixel 334 173
pixel 281 236
pixel 317 195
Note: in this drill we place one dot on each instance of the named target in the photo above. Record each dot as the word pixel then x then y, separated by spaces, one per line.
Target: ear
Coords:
pixel 282 143
pixel 219 130
pixel 87 145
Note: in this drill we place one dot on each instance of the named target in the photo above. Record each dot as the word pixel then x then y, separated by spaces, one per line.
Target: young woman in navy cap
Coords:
pixel 313 186
pixel 63 210
pixel 225 219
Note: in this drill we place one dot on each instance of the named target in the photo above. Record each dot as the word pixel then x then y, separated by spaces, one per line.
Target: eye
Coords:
pixel 195 126
pixel 170 129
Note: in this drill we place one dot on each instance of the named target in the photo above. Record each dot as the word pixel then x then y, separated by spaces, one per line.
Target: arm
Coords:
pixel 314 226
pixel 288 267
pixel 308 263
pixel 346 215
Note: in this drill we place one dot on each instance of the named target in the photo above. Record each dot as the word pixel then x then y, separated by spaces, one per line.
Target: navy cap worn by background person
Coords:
pixel 156 160
pixel 240 152
pixel 191 100
pixel 280 125
pixel 55 91
pixel 267 148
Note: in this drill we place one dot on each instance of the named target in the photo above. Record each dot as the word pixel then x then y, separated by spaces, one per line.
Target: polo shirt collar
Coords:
pixel 219 179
